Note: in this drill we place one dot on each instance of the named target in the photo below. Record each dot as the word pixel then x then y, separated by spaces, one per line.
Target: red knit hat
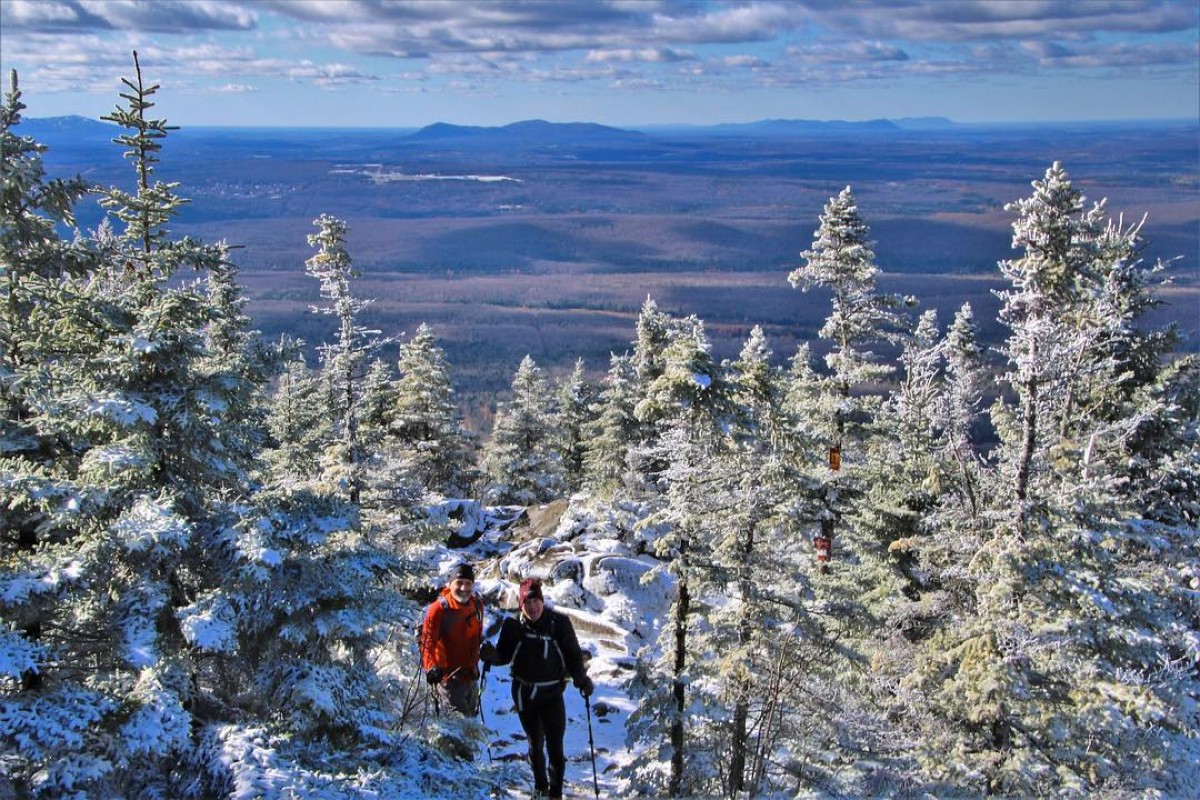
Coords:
pixel 530 587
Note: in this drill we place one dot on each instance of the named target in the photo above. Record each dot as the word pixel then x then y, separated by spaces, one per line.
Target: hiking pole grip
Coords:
pixel 587 704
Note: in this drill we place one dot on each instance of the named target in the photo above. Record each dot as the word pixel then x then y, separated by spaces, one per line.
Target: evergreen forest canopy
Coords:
pixel 210 551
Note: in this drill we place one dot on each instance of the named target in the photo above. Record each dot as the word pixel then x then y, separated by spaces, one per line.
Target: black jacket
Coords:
pixel 540 652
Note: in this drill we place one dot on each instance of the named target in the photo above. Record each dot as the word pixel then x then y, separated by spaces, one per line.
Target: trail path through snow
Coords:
pixel 591 576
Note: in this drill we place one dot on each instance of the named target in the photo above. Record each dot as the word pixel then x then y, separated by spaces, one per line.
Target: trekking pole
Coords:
pixel 587 703
pixel 437 706
pixel 487 735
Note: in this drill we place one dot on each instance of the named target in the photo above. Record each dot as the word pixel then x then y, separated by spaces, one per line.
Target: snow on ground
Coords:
pixel 590 572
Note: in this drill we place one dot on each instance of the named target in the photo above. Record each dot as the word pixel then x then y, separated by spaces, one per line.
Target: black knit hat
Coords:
pixel 463 570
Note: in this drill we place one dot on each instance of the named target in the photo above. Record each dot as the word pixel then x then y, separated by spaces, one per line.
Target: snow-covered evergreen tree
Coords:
pixel 615 429
pixel 1075 674
pixel 300 424
pixel 842 260
pixel 342 359
pixel 573 410
pixel 656 332
pixel 115 463
pixel 688 401
pixel 376 405
pixel 754 528
pixel 169 631
pixel 904 458
pixel 653 333
pixel 521 461
pixel 426 424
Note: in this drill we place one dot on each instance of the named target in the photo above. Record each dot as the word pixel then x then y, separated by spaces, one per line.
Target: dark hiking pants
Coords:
pixel 543 716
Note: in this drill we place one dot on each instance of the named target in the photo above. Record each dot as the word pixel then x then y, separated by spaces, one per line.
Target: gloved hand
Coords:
pixel 586 687
pixel 487 653
pixel 433 676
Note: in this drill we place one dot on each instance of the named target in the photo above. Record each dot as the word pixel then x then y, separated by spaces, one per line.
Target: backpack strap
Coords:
pixel 447 612
pixel 546 639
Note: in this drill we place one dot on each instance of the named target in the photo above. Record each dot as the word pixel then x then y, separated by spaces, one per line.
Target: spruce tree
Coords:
pixel 842 260
pixel 688 402
pixel 342 359
pixel 614 431
pixel 115 465
pixel 520 461
pixel 300 424
pixel 426 424
pixel 1070 674
pixel 759 484
pixel 573 412
pixel 174 631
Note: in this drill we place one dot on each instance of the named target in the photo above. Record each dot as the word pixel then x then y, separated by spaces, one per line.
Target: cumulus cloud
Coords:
pixel 416 29
pixel 975 20
pixel 328 74
pixel 848 52
pixel 233 88
pixel 722 45
pixel 161 16
pixel 648 55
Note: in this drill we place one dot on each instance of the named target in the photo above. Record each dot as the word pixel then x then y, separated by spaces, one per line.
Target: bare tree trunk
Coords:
pixel 741 710
pixel 771 718
pixel 1028 439
pixel 677 689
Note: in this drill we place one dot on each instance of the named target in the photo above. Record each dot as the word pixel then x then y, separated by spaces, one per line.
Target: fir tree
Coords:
pixel 1069 675
pixel 751 532
pixel 342 359
pixel 615 429
pixel 115 464
pixel 299 423
pixel 842 260
pixel 171 631
pixel 572 413
pixel 520 461
pixel 426 423
pixel 146 213
pixel 688 402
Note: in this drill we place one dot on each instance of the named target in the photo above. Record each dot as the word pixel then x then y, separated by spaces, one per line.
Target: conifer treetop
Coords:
pixel 147 212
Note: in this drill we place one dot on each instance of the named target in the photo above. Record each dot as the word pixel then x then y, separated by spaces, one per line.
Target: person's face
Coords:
pixel 533 607
pixel 461 589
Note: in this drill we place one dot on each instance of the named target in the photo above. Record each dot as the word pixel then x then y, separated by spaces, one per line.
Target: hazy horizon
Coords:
pixel 364 64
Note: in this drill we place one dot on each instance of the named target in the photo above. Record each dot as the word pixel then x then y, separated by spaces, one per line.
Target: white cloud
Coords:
pixel 648 55
pixel 742 23
pixel 973 20
pixel 234 88
pixel 328 74
pixel 847 52
pixel 500 46
pixel 163 16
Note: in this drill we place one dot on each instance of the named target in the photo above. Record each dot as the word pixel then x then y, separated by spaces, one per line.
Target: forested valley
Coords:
pixel 918 566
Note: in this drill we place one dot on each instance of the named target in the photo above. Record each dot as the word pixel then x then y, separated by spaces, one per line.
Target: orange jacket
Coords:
pixel 451 634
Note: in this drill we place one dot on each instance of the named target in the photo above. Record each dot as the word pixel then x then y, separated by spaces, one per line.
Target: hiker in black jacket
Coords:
pixel 544 653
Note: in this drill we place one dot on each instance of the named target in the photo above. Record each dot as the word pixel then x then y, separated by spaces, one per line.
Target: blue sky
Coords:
pixel 407 63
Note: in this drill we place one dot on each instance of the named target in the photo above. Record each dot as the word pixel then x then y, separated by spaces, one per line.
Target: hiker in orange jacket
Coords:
pixel 450 638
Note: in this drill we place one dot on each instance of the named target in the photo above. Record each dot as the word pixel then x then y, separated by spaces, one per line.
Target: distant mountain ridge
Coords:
pixel 540 131
pixel 526 131
pixel 73 125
